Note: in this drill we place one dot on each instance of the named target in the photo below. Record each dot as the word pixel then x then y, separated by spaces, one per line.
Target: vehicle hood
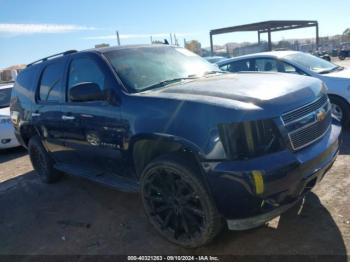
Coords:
pixel 345 73
pixel 274 92
pixel 5 111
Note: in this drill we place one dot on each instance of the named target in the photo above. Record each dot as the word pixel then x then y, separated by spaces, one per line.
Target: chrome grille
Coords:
pixel 302 111
pixel 307 124
pixel 306 136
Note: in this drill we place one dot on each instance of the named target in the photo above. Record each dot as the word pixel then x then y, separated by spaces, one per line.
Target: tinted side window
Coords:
pixel 5 96
pixel 26 80
pixel 224 67
pixel 288 68
pixel 239 66
pixel 51 82
pixel 265 64
pixel 85 70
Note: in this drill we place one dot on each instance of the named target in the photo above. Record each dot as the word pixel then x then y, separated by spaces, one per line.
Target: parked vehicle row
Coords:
pixel 344 52
pixel 206 149
pixel 322 54
pixel 336 78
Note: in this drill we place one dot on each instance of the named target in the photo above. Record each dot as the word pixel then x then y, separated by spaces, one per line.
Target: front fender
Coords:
pixel 144 148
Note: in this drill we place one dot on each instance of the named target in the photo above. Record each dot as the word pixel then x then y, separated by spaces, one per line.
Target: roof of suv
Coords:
pixel 98 50
pixel 112 48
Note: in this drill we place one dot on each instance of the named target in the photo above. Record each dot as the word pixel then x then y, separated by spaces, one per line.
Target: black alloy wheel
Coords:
pixel 178 205
pixel 42 162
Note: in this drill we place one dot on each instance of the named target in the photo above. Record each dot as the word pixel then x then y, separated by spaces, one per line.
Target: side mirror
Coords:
pixel 84 92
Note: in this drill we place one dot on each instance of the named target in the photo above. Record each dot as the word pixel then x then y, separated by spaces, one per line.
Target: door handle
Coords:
pixel 64 117
pixel 35 114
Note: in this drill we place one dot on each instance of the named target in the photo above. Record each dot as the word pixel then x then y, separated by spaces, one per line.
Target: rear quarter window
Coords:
pixel 26 81
pixel 51 81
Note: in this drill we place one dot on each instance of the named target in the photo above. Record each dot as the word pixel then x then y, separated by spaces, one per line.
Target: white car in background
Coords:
pixel 214 59
pixel 336 78
pixel 7 135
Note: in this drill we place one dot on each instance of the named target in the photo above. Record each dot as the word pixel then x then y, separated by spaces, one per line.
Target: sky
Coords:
pixel 32 29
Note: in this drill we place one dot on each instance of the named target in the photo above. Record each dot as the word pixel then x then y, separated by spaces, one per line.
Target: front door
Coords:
pixel 92 133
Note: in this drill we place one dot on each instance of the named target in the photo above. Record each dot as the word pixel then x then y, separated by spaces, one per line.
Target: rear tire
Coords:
pixel 43 164
pixel 178 204
pixel 340 109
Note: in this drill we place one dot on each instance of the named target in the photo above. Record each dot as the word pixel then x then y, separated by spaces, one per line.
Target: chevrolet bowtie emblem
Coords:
pixel 320 115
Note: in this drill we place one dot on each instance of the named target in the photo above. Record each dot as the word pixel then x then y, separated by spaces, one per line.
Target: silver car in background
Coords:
pixel 7 135
pixel 336 78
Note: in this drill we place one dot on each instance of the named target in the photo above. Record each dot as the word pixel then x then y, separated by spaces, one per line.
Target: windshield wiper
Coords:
pixel 167 82
pixel 214 72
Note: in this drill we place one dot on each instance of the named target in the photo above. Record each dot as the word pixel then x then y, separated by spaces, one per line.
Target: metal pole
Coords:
pixel 184 42
pixel 258 37
pixel 171 39
pixel 175 40
pixel 211 45
pixel 118 39
pixel 317 36
pixel 269 39
pixel 151 40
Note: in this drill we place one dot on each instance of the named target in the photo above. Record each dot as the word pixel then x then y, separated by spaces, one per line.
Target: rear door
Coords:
pixel 237 66
pixel 46 113
pixel 92 130
pixel 263 64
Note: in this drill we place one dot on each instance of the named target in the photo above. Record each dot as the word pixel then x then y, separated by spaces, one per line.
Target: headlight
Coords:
pixel 5 120
pixel 250 139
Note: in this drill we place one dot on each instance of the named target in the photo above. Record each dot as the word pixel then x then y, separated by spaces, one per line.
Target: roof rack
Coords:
pixel 51 56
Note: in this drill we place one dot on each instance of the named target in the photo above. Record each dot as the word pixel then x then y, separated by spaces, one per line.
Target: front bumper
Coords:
pixel 258 220
pixel 284 177
pixel 7 136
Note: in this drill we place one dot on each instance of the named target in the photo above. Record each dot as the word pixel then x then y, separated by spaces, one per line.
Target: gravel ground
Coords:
pixel 345 62
pixel 76 216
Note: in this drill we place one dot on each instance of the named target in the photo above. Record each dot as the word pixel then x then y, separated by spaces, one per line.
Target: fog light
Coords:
pixel 258 181
pixel 5 141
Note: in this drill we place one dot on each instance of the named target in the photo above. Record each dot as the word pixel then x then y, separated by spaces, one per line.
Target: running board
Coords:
pixel 107 179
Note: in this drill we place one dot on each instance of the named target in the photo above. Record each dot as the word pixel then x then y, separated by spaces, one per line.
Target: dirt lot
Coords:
pixel 345 62
pixel 76 216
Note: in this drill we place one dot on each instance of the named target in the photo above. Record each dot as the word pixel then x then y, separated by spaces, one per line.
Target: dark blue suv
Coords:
pixel 204 148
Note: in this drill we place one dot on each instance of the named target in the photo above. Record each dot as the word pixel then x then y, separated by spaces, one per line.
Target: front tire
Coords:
pixel 177 203
pixel 340 109
pixel 43 164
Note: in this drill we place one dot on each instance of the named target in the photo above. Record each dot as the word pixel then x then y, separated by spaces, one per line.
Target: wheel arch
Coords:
pixel 26 131
pixel 345 120
pixel 330 95
pixel 147 147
